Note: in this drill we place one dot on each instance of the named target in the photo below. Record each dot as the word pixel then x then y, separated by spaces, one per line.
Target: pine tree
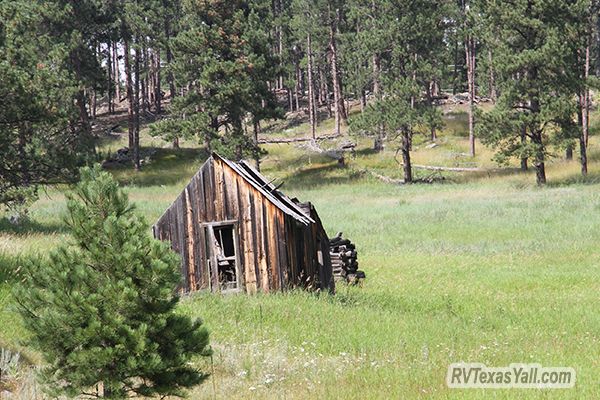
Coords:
pixel 538 82
pixel 222 57
pixel 101 310
pixel 42 137
pixel 406 72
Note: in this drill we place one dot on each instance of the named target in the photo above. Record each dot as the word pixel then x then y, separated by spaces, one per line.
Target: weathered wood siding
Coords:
pixel 275 251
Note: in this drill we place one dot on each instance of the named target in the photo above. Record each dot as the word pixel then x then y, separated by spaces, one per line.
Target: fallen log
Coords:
pixel 295 140
pixel 449 169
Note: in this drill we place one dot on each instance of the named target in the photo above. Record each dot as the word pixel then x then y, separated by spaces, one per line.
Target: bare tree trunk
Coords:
pixel 338 98
pixel 455 73
pixel 363 100
pixel 151 76
pixel 279 33
pixel 379 136
pixel 585 122
pixel 169 55
pixel 324 92
pixel 540 169
pixel 407 168
pixel 84 118
pixel 142 63
pixel 320 93
pixel 492 82
pixel 117 73
pixel 523 141
pixel 129 89
pixel 311 90
pixel 157 88
pixel 136 137
pixel 597 45
pixel 537 138
pixel 376 70
pixel 582 144
pixel 109 70
pixel 430 90
pixel 257 156
pixel 470 57
pixel 297 87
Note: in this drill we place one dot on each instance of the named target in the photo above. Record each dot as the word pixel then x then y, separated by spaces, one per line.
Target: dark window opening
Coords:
pixel 223 248
pixel 224 235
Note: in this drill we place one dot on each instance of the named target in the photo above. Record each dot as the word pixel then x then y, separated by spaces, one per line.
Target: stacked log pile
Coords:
pixel 344 259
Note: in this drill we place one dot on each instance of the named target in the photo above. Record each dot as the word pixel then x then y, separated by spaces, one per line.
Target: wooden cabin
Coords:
pixel 236 232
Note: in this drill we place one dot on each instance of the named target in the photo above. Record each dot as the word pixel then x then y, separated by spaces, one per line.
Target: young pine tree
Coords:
pixel 102 310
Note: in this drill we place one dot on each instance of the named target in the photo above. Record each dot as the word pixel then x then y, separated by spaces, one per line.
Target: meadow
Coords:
pixel 482 267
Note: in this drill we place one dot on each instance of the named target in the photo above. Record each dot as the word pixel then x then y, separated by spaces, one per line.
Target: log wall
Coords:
pixel 275 251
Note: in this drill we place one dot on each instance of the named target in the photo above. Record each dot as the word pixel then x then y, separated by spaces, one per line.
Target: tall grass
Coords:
pixel 479 267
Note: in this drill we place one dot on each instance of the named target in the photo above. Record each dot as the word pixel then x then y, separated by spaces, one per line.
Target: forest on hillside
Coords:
pixel 215 71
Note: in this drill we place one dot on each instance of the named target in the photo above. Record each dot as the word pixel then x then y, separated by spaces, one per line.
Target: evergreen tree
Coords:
pixel 222 57
pixel 538 83
pixel 407 70
pixel 101 310
pixel 42 138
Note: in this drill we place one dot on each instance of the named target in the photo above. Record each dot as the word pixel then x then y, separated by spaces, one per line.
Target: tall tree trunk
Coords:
pixel 320 93
pixel 376 62
pixel 297 87
pixel 585 122
pixel 523 141
pixel 142 72
pixel 311 90
pixel 324 92
pixel 378 143
pixel 84 118
pixel 157 88
pixel 257 155
pixel 129 90
pixel 279 36
pixel 363 100
pixel 136 103
pixel 109 70
pixel 169 55
pixel 407 167
pixel 117 73
pixel 429 93
pixel 338 98
pixel 492 83
pixel 455 73
pixel 597 44
pixel 582 143
pixel 536 135
pixel 470 57
pixel 540 169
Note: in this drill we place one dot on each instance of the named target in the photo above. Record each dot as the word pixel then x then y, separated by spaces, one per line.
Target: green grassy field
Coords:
pixel 478 268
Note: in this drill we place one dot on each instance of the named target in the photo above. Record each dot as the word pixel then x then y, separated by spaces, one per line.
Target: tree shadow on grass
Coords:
pixel 491 173
pixel 313 176
pixel 365 151
pixel 592 178
pixel 165 167
pixel 29 226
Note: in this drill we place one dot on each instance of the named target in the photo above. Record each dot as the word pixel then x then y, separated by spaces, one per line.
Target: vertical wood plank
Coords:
pixel 190 241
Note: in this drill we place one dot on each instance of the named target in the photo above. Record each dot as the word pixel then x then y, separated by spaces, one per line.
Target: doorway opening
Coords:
pixel 223 249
